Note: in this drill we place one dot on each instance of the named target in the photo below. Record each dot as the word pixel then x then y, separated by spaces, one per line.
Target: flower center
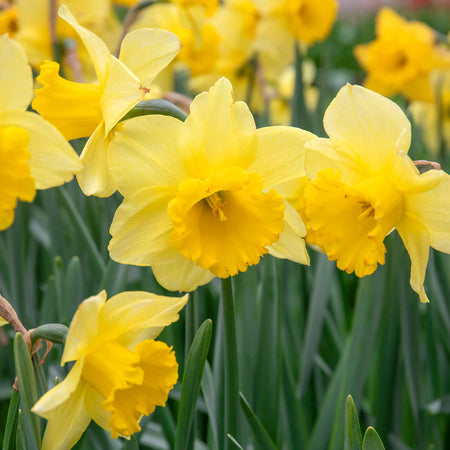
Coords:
pixel 225 222
pixel 73 108
pixel 350 222
pixel 16 181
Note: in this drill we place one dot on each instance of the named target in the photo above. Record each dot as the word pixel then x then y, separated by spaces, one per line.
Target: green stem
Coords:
pixel 231 362
pixel 82 228
pixel 299 113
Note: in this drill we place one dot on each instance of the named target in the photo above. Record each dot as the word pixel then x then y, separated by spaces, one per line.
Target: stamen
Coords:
pixel 216 204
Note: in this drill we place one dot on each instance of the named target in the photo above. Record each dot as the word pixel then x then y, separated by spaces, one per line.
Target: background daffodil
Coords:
pixel 120 371
pixel 363 184
pixel 33 154
pixel 199 204
pixel 81 109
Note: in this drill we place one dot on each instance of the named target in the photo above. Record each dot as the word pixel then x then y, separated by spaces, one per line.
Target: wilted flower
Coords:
pixel 120 373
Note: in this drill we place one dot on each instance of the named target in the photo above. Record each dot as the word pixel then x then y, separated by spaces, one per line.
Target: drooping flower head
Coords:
pixel 120 373
pixel 33 154
pixel 362 185
pixel 401 58
pixel 199 203
pixel 82 109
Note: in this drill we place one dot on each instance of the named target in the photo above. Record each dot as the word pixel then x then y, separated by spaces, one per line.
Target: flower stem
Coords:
pixel 231 362
pixel 299 113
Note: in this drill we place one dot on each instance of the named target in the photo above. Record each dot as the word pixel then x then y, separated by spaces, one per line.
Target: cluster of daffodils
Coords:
pixel 209 196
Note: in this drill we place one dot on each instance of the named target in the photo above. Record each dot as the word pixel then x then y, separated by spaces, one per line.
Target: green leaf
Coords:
pixel 372 441
pixel 235 442
pixel 155 106
pixel 27 390
pixel 191 383
pixel 208 388
pixel 352 431
pixel 259 431
pixel 53 332
pixel 11 422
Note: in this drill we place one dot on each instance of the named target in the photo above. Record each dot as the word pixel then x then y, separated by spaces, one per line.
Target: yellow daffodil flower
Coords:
pixel 33 154
pixel 362 185
pixel 401 58
pixel 434 118
pixel 35 28
pixel 8 19
pixel 120 373
pixel 199 203
pixel 81 109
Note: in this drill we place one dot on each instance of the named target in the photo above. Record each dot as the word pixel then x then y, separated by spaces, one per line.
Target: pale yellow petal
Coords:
pixel 372 125
pixel 432 209
pixel 417 242
pixel 146 146
pixel 16 79
pixel 93 403
pixel 141 229
pixel 218 133
pixel 61 393
pixel 131 317
pixel 123 90
pixel 95 178
pixel 291 243
pixel 53 161
pixel 148 51
pixel 280 155
pixel 181 275
pixel 67 422
pixel 83 328
pixel 97 49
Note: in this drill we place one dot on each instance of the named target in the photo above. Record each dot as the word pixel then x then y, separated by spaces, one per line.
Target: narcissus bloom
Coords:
pixel 81 109
pixel 33 154
pixel 363 185
pixel 120 373
pixel 401 58
pixel 199 203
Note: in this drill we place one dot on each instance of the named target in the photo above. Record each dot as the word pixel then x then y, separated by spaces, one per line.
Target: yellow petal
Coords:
pixel 61 393
pixel 16 181
pixel 218 133
pixel 131 317
pixel 147 147
pixel 95 177
pixel 181 275
pixel 122 91
pixel 53 161
pixel 372 125
pixel 67 421
pixel 388 21
pixel 16 79
pixel 98 51
pixel 417 242
pixel 148 51
pixel 280 155
pixel 141 229
pixel 93 402
pixel 83 328
pixel 2 321
pixel 431 208
pixel 160 368
pixel 291 243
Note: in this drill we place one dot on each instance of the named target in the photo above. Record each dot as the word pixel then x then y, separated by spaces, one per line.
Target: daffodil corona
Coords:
pixel 120 373
pixel 33 154
pixel 362 185
pixel 81 110
pixel 200 203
